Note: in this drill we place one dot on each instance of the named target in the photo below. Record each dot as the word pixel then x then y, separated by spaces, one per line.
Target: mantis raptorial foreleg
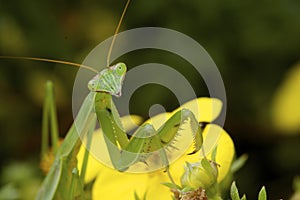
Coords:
pixel 124 152
pixel 147 140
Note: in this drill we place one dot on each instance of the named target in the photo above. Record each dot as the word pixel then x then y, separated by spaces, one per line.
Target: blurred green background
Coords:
pixel 255 44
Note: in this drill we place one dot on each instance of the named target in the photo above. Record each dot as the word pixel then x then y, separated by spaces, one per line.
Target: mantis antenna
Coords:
pixel 72 63
pixel 51 60
pixel 115 34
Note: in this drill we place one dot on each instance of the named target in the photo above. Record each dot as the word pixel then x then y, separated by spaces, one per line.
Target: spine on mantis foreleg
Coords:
pixel 146 140
pixel 170 129
pixel 197 131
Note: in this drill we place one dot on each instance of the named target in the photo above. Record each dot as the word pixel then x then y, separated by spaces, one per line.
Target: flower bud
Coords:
pixel 201 174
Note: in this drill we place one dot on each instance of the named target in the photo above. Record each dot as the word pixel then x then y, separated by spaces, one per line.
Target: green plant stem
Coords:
pixel 45 130
pixel 74 174
pixel 86 153
pixel 53 116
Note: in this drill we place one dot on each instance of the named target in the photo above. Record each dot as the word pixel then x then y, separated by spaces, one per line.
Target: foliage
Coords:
pixel 234 193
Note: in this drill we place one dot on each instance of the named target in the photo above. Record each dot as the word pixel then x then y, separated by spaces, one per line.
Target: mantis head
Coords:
pixel 109 80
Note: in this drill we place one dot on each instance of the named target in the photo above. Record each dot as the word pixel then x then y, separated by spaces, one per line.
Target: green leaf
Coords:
pixel 234 193
pixel 171 185
pixel 206 165
pixel 214 154
pixel 239 163
pixel 136 197
pixel 244 197
pixel 262 194
pixel 187 189
pixel 296 184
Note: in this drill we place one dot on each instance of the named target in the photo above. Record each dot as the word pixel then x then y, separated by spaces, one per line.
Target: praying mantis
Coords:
pixel 129 151
pixel 146 139
pixel 63 180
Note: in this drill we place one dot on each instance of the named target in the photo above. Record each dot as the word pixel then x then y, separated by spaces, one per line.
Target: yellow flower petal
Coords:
pixel 205 109
pixel 111 184
pixel 286 109
pixel 131 121
pixel 158 120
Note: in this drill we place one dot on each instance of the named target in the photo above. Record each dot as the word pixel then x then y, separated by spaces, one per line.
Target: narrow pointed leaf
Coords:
pixel 234 193
pixel 262 194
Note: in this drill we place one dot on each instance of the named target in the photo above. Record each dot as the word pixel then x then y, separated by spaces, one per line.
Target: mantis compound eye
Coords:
pixel 120 69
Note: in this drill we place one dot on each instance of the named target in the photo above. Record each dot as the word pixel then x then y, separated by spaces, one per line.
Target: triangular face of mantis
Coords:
pixel 109 80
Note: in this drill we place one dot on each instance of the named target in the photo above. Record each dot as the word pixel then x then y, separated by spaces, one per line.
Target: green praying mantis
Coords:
pixel 63 180
pixel 123 152
pixel 146 139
